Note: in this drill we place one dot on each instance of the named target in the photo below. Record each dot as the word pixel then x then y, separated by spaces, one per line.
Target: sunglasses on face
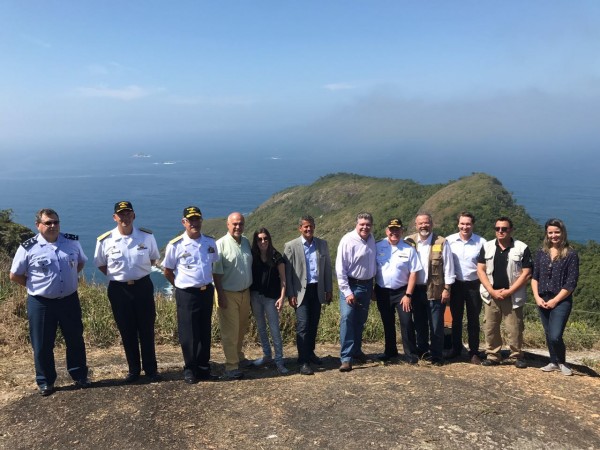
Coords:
pixel 501 229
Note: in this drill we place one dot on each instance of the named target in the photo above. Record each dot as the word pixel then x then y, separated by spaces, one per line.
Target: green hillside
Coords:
pixel 334 200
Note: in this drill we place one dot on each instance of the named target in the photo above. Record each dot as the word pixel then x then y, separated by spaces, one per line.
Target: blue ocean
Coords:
pixel 83 189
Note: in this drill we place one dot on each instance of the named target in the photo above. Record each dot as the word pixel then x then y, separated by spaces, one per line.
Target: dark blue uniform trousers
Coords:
pixel 45 316
pixel 194 314
pixel 135 313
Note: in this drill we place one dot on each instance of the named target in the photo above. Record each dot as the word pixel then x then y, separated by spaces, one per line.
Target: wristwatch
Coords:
pixel 408 295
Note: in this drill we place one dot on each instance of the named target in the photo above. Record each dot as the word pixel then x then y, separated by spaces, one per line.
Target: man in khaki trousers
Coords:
pixel 232 274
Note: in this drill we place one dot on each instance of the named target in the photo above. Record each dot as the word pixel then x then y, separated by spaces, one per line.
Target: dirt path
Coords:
pixel 374 406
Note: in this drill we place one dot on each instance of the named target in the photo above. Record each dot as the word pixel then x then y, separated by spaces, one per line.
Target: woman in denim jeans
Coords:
pixel 555 275
pixel 266 296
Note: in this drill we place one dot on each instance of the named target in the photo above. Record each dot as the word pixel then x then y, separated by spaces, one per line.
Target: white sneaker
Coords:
pixel 282 369
pixel 550 367
pixel 262 361
pixel 565 370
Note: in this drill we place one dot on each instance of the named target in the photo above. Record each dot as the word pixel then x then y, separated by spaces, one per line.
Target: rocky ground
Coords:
pixel 374 406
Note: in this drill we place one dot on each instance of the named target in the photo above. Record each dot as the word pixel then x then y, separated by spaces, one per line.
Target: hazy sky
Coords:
pixel 338 75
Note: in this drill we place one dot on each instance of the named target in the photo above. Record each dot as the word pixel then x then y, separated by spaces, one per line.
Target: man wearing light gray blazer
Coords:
pixel 309 285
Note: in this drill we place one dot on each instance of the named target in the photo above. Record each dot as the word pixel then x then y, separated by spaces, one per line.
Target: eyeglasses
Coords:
pixel 501 229
pixel 49 223
pixel 265 239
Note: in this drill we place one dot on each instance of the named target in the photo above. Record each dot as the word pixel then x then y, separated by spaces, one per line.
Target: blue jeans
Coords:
pixel 263 306
pixel 554 322
pixel 308 314
pixel 353 319
pixel 45 316
pixel 429 321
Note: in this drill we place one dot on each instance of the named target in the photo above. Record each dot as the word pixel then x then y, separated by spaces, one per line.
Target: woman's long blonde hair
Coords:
pixel 563 247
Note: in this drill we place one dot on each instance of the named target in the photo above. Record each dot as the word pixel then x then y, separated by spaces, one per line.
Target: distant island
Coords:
pixel 141 155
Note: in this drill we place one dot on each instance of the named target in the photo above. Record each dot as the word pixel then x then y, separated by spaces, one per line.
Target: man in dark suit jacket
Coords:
pixel 309 285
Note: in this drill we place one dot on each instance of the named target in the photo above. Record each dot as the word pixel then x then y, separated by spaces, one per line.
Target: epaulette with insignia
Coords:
pixel 72 237
pixel 411 242
pixel 145 230
pixel 178 238
pixel 29 243
pixel 104 235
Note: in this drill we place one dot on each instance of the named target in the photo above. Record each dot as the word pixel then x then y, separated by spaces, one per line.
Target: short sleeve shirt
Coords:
pixel 191 260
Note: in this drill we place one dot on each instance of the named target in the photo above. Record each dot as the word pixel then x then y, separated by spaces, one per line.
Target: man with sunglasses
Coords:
pixel 48 265
pixel 504 266
pixel 188 267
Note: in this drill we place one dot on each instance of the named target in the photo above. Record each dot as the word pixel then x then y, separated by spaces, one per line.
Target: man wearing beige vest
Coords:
pixel 432 291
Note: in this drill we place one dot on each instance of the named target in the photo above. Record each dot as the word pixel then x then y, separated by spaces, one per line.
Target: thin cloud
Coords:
pixel 99 69
pixel 36 41
pixel 132 92
pixel 339 86
pixel 211 101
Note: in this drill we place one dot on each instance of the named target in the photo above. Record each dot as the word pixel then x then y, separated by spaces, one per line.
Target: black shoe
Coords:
pixel 520 364
pixel 189 378
pixel 205 375
pixel 154 377
pixel 453 354
pixel 360 357
pixel 315 360
pixel 46 389
pixel 437 362
pixel 131 378
pixel 84 383
pixel 305 369
pixel 385 357
pixel 411 359
pixel 490 362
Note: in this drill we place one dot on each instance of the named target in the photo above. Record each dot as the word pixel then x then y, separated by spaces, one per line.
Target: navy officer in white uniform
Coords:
pixel 126 255
pixel 48 265
pixel 397 267
pixel 188 267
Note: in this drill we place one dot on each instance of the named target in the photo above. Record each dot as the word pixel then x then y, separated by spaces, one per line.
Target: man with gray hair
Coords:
pixel 432 291
pixel 356 267
pixel 309 285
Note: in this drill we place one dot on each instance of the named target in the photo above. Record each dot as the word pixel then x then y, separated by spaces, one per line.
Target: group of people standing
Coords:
pixel 415 277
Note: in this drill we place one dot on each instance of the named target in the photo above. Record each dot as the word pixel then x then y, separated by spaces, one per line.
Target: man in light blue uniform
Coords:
pixel 47 265
pixel 188 266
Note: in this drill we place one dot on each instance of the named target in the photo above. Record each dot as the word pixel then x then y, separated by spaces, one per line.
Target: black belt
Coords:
pixel 471 283
pixel 41 297
pixel 132 282
pixel 360 282
pixel 195 289
pixel 394 291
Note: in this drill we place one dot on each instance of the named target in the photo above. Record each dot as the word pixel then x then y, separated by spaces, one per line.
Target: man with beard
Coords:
pixel 433 288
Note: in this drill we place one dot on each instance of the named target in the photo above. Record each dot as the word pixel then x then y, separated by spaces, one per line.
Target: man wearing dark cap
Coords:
pixel 126 255
pixel 188 267
pixel 397 267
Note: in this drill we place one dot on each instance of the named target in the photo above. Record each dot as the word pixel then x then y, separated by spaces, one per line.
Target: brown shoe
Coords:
pixel 345 367
pixel 476 360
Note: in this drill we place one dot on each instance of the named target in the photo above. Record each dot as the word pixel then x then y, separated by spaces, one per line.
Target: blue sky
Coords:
pixel 339 76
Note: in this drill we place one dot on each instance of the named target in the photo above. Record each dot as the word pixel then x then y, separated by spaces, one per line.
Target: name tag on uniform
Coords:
pixel 142 247
pixel 436 248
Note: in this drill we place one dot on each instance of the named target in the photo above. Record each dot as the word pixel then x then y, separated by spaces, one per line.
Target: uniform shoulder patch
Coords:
pixel 177 239
pixel 104 235
pixel 145 230
pixel 72 237
pixel 29 243
pixel 410 242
